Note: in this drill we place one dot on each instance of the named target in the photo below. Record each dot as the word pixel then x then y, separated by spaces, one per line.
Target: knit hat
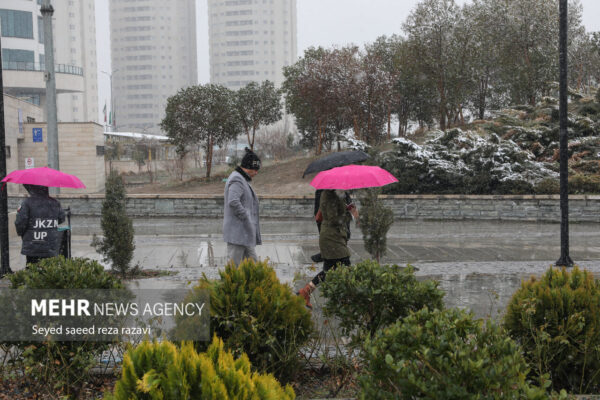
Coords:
pixel 250 160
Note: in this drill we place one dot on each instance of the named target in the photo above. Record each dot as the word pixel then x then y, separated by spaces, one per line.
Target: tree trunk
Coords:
pixel 247 135
pixel 318 152
pixel 209 156
pixel 356 128
pixel 389 124
pixel 442 104
pixel 253 135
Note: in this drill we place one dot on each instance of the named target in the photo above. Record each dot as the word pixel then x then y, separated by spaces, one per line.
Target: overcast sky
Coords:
pixel 320 23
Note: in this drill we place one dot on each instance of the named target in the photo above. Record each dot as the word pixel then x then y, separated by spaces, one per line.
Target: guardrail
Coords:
pixel 32 66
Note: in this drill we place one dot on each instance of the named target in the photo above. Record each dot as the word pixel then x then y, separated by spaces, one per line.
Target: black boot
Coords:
pixel 316 258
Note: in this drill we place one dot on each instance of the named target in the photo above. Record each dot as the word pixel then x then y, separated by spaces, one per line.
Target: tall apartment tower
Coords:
pixel 23 61
pixel 251 40
pixel 153 48
pixel 75 44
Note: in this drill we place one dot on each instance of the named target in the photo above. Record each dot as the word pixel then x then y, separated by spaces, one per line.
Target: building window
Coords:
pixel 18 59
pixel 40 30
pixel 16 23
pixel 100 150
pixel 7 151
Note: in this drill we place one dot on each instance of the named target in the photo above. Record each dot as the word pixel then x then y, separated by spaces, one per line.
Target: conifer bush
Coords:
pixel 256 314
pixel 368 296
pixel 375 222
pixel 556 319
pixel 58 366
pixel 117 245
pixel 445 355
pixel 163 371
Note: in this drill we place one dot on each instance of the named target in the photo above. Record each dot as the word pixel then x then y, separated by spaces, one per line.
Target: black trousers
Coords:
pixel 327 265
pixel 33 259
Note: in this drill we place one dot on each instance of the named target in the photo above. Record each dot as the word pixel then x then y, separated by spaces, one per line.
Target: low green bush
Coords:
pixel 256 314
pixel 579 184
pixel 445 355
pixel 368 296
pixel 62 367
pixel 556 319
pixel 162 371
pixel 547 186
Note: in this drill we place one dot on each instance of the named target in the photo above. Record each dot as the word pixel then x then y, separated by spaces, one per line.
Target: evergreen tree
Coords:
pixel 204 115
pixel 375 222
pixel 117 244
pixel 257 104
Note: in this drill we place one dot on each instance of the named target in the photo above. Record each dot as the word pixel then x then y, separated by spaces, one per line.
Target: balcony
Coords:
pixel 28 78
pixel 30 66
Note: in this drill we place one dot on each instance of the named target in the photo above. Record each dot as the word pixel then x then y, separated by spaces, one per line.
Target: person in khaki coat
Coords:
pixel 333 237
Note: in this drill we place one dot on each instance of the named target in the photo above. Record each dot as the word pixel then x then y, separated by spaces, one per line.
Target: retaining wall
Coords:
pixel 546 208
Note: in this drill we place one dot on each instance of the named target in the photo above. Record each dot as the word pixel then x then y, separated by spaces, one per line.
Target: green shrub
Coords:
pixel 590 109
pixel 256 314
pixel 445 355
pixel 587 184
pixel 557 321
pixel 547 186
pixel 117 244
pixel 162 371
pixel 368 296
pixel 375 221
pixel 62 366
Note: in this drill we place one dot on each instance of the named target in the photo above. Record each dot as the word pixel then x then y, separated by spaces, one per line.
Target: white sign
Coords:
pixel 29 163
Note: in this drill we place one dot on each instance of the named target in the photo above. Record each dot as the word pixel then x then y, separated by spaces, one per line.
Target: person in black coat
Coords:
pixel 37 222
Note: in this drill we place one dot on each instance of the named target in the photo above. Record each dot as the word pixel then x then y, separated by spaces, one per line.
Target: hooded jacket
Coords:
pixel 37 222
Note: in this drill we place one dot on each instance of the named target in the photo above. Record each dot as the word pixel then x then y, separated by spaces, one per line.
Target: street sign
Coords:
pixel 37 135
pixel 29 163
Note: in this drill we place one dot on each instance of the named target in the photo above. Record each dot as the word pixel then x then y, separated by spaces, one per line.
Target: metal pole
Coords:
pixel 4 256
pixel 565 259
pixel 52 128
pixel 112 105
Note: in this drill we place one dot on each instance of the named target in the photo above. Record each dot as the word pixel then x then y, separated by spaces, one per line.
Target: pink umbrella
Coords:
pixel 352 177
pixel 44 176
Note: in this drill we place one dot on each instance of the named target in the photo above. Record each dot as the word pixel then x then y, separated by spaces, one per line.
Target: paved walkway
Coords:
pixel 478 263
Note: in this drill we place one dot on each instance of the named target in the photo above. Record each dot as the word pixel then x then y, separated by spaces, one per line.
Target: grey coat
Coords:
pixel 240 222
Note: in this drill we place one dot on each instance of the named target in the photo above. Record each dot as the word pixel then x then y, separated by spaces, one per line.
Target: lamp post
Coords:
pixel 49 75
pixel 565 259
pixel 4 255
pixel 112 101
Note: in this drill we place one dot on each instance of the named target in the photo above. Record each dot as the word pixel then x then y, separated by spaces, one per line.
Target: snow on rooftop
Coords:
pixel 137 135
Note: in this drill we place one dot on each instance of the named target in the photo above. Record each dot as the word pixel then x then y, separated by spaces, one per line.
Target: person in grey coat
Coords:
pixel 241 228
pixel 37 222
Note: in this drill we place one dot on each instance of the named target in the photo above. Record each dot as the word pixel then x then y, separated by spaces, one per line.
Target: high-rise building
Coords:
pixel 153 48
pixel 75 44
pixel 251 40
pixel 23 60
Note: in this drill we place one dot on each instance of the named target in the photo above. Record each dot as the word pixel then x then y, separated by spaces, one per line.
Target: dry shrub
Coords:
pixel 273 141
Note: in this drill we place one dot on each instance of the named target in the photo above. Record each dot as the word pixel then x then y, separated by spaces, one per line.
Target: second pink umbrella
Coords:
pixel 353 177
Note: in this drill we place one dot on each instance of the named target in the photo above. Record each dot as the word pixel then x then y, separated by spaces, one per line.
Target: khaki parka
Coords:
pixel 333 238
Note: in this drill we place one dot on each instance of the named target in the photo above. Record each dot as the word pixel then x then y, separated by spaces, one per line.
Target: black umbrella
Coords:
pixel 338 159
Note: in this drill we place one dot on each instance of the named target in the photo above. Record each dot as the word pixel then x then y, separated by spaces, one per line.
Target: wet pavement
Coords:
pixel 478 263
